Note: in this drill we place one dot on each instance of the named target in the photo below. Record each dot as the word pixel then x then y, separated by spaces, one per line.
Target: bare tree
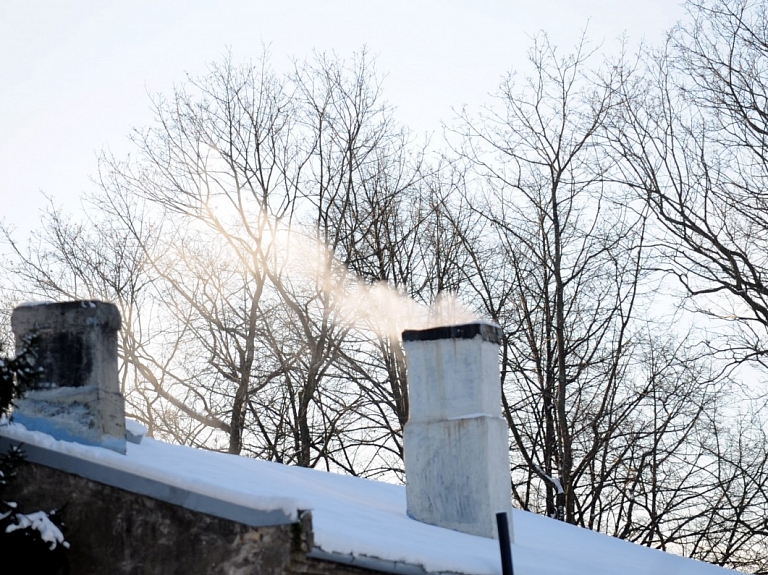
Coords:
pixel 691 140
pixel 613 426
pixel 246 204
pixel 570 260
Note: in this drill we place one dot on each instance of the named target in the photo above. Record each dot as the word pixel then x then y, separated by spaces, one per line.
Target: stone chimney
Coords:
pixel 76 394
pixel 456 443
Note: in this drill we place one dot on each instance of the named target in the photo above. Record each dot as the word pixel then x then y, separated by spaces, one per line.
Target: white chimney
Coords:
pixel 456 442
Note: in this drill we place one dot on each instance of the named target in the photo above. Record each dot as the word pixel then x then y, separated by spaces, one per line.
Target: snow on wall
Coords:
pixel 363 518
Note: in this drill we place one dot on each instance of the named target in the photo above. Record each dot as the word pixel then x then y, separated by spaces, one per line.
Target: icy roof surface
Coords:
pixel 364 518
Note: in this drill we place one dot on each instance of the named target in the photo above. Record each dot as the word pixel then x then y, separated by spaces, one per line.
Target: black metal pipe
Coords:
pixel 504 545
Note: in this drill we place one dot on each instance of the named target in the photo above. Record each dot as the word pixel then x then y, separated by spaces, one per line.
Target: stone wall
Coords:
pixel 115 532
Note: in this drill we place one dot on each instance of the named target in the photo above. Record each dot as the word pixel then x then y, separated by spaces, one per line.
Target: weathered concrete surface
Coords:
pixel 452 378
pixel 120 533
pixel 76 396
pixel 462 481
pixel 456 442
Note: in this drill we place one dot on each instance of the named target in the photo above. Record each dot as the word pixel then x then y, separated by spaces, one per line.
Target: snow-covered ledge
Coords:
pixel 456 447
pixel 76 394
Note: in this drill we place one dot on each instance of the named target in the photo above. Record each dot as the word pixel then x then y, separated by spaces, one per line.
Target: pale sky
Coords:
pixel 74 75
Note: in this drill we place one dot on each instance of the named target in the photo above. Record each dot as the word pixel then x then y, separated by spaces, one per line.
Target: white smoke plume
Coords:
pixel 379 307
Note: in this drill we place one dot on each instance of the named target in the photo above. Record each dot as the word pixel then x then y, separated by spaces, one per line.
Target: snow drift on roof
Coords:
pixel 367 519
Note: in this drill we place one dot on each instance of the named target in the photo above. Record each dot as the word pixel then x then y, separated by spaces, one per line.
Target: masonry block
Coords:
pixel 75 395
pixel 456 441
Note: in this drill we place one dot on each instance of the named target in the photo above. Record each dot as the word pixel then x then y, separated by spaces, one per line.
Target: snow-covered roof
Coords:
pixel 354 520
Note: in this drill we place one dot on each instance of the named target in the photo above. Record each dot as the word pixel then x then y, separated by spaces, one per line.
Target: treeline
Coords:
pixel 264 238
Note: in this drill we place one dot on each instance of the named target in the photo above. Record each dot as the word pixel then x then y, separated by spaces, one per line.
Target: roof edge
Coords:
pixel 153 488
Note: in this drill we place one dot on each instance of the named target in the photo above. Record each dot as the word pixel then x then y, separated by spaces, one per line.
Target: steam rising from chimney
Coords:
pixel 297 257
pixel 379 307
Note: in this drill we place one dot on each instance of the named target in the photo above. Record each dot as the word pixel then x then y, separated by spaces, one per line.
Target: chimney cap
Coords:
pixel 486 330
pixel 78 315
